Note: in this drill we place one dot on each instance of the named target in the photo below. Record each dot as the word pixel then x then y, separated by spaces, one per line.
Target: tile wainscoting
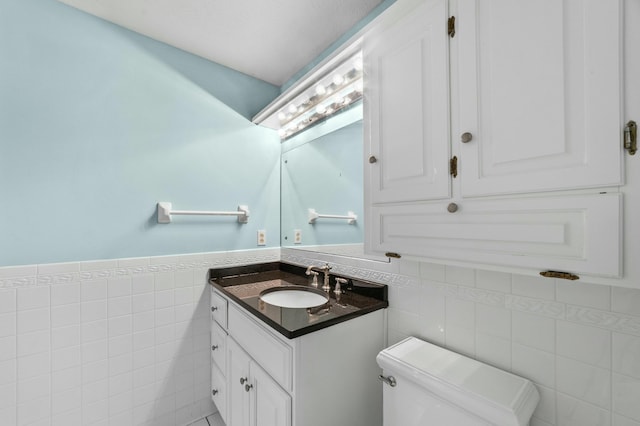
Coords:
pixel 578 342
pixel 126 341
pixel 115 342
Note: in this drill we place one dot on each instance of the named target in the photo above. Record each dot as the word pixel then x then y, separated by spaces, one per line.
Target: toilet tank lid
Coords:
pixel 495 395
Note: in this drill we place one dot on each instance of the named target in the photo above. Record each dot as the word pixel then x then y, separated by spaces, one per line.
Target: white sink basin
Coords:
pixel 294 297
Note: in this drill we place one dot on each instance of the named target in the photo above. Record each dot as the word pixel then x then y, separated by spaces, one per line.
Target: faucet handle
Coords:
pixel 314 282
pixel 338 289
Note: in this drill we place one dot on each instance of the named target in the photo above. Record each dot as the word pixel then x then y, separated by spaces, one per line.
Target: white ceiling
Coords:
pixel 267 39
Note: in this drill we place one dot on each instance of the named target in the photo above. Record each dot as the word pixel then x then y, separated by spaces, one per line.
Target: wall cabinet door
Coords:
pixel 407 107
pixel 255 399
pixel 540 92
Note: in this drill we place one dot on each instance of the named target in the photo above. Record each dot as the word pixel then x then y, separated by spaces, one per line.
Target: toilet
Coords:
pixel 426 385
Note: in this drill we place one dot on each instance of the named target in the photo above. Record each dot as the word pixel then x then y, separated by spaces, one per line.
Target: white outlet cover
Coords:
pixel 297 236
pixel 262 237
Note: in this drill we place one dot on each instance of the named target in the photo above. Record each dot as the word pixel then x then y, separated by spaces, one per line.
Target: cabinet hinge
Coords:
pixel 451 26
pixel 453 166
pixel 561 275
pixel 631 137
pixel 394 255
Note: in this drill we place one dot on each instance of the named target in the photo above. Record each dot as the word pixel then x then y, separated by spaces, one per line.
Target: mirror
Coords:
pixel 322 169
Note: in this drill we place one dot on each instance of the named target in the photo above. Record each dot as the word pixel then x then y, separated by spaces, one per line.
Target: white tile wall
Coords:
pixel 578 342
pixel 125 342
pixel 115 342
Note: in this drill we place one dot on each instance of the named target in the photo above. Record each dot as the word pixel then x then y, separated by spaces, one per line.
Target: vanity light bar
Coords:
pixel 334 104
pixel 336 90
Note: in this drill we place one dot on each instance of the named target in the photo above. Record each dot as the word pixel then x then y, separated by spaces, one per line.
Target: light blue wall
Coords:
pixel 97 124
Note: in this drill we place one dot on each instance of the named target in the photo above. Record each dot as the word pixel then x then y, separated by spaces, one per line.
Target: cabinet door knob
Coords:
pixel 452 207
pixel 373 159
pixel 243 379
pixel 247 387
pixel 214 392
pixel 214 347
pixel 214 308
pixel 466 137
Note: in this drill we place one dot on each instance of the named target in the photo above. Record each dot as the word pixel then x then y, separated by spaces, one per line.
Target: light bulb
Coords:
pixel 357 63
pixel 320 90
pixel 293 109
pixel 282 132
pixel 320 109
pixel 359 86
pixel 338 79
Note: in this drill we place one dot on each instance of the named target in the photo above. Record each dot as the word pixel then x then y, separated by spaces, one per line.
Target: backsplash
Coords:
pixel 115 342
pixel 578 342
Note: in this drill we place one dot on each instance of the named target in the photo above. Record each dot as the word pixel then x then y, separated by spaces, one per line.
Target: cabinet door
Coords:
pixel 407 107
pixel 271 405
pixel 540 92
pixel 219 391
pixel 218 346
pixel 237 377
pixel 579 233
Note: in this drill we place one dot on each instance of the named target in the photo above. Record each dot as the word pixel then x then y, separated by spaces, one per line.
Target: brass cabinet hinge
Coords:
pixel 394 255
pixel 451 26
pixel 561 275
pixel 453 166
pixel 631 137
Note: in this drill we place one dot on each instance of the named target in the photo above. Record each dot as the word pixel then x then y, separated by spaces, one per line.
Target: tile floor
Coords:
pixel 212 420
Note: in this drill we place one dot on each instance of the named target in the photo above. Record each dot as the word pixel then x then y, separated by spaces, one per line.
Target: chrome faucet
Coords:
pixel 324 269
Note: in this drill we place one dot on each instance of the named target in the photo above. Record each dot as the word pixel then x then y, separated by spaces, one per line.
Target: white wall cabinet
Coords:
pixel 267 376
pixel 535 88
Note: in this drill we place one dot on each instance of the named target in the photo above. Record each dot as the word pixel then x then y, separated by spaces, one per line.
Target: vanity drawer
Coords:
pixel 218 308
pixel 219 391
pixel 265 348
pixel 219 346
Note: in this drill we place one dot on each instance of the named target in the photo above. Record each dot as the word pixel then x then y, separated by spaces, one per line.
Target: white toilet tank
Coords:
pixel 426 385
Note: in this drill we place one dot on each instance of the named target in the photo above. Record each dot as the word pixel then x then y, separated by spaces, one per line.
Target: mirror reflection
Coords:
pixel 322 170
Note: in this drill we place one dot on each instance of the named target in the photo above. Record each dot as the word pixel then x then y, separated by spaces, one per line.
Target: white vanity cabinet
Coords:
pixel 328 376
pixel 255 399
pixel 494 131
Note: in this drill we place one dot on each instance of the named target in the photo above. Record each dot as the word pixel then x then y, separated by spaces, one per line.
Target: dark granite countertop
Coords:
pixel 244 284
